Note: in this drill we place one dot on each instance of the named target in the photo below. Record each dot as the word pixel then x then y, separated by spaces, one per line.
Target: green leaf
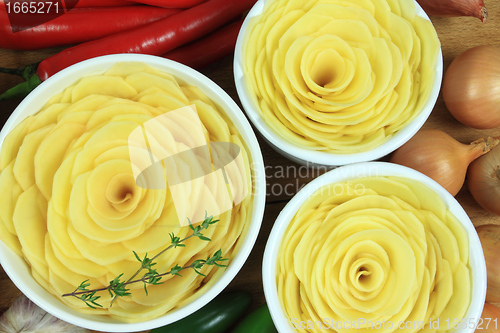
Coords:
pixel 90 298
pixel 205 224
pixel 219 265
pixel 122 292
pixel 96 304
pixel 90 306
pixel 83 286
pixel 156 281
pixel 197 231
pixel 198 272
pixel 116 280
pixel 198 264
pixel 175 270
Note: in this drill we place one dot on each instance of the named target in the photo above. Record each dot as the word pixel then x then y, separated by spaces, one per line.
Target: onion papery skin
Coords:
pixel 439 156
pixel 471 87
pixel 489 235
pixel 474 8
pixel 483 180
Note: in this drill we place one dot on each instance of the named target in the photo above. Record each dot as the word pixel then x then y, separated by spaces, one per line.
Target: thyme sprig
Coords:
pixel 118 288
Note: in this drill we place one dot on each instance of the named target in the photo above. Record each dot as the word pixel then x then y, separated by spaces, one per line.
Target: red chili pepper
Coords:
pixel 208 49
pixel 172 3
pixel 156 38
pixel 96 3
pixel 78 25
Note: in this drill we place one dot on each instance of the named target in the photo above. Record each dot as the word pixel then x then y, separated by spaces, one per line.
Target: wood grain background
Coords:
pixel 456 35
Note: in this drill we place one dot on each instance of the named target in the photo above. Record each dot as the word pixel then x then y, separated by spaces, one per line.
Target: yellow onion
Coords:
pixel 483 180
pixel 471 87
pixel 490 240
pixel 441 157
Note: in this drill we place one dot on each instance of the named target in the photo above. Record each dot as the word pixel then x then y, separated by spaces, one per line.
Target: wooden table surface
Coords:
pixel 456 35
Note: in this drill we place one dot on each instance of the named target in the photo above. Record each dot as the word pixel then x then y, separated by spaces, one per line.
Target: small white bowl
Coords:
pixel 354 171
pixel 318 158
pixel 17 269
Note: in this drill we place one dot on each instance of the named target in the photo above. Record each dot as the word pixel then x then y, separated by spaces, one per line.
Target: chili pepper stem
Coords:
pixel 29 71
pixel 12 71
pixel 25 72
pixel 22 89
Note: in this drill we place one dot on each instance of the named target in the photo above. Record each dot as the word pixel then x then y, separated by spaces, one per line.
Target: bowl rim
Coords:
pixel 314 157
pixel 358 170
pixel 15 267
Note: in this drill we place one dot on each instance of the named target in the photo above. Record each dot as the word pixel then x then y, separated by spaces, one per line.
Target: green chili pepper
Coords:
pixel 259 321
pixel 22 89
pixel 215 317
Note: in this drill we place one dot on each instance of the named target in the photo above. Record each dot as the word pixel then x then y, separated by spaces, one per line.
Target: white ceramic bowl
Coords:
pixel 318 158
pixel 370 169
pixel 17 269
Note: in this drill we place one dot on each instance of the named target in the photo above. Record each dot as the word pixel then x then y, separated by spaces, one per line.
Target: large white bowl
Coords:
pixel 17 269
pixel 371 169
pixel 319 158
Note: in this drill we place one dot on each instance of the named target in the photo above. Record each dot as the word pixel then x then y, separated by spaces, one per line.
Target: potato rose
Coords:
pixel 336 75
pixel 71 204
pixel 378 253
